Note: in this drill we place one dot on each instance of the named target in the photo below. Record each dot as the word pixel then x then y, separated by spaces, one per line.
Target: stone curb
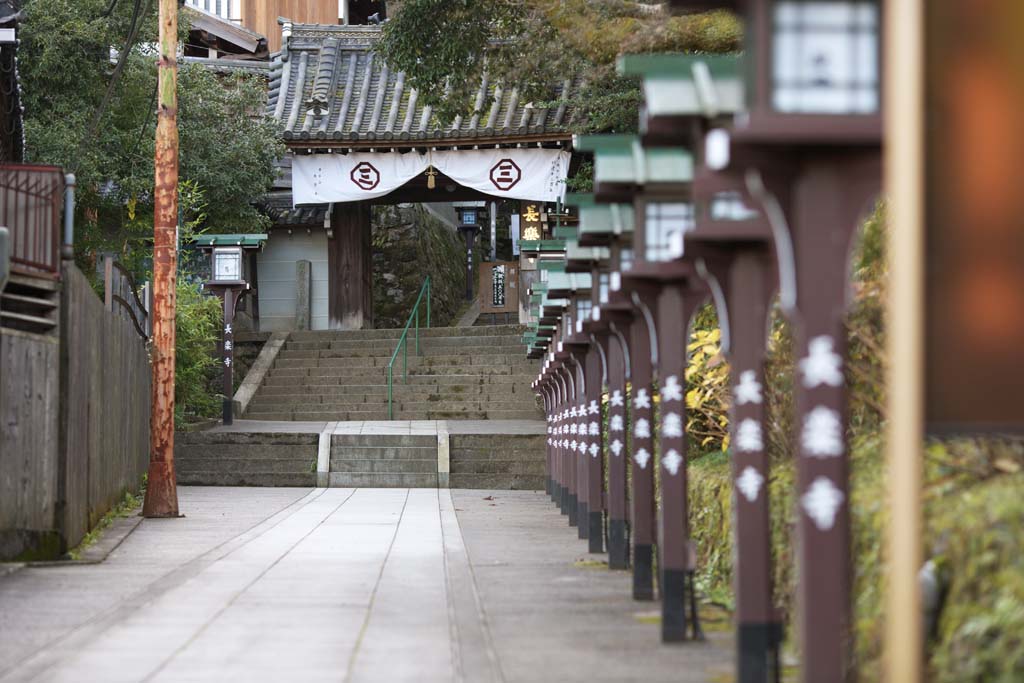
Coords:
pixel 268 354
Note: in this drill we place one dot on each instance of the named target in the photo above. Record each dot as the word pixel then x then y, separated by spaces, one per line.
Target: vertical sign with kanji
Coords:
pixel 530 218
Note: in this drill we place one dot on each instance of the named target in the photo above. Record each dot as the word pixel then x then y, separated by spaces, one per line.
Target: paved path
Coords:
pixel 342 585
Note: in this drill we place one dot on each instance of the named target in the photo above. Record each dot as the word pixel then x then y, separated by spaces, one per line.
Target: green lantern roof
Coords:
pixel 621 159
pixel 574 252
pixel 687 85
pixel 569 282
pixel 253 241
pixel 602 219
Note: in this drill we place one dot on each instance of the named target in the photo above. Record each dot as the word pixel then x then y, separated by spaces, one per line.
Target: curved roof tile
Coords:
pixel 327 84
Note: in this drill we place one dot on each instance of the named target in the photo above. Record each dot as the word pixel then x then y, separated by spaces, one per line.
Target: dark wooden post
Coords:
pixel 229 297
pixel 618 454
pixel 470 235
pixel 824 204
pixel 580 441
pixel 748 290
pixel 572 381
pixel 565 500
pixel 676 305
pixel 350 267
pixel 644 338
pixel 594 454
pixel 546 398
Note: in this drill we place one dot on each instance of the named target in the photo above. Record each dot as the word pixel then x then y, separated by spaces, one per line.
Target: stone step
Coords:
pixel 382 480
pixel 468 359
pixel 284 414
pixel 325 390
pixel 512 467
pixel 243 465
pixel 514 482
pixel 441 332
pixel 398 407
pixel 379 440
pixel 498 452
pixel 251 438
pixel 197 452
pixel 219 478
pixel 382 452
pixel 423 466
pixel 473 442
pixel 401 392
pixel 471 370
pixel 475 340
pixel 379 348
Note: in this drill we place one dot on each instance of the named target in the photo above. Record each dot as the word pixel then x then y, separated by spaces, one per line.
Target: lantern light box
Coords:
pixel 825 57
pixel 227 264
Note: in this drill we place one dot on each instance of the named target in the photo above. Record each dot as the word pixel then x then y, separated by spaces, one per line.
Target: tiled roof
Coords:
pixel 278 206
pixel 328 88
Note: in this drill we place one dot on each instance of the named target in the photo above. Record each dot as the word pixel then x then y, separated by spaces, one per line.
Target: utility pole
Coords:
pixel 162 492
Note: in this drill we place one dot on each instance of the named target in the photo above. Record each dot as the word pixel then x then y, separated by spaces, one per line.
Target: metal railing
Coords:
pixel 30 205
pixel 403 344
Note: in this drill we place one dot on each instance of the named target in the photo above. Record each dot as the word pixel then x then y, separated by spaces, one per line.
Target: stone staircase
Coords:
pixel 383 461
pixel 467 381
pixel 474 373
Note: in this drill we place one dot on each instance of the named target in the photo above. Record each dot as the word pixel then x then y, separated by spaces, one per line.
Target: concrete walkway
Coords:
pixel 342 585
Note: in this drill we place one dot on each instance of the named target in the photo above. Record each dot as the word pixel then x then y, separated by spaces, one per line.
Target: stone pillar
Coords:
pixel 303 284
pixel 350 268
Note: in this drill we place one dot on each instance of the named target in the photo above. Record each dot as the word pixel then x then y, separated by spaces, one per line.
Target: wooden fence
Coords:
pixel 75 412
pixel 105 406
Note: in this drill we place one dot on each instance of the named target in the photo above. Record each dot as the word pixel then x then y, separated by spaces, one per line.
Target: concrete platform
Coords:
pixel 343 585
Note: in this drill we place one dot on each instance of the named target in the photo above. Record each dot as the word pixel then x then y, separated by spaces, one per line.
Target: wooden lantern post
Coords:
pixel 809 149
pixel 730 249
pixel 607 227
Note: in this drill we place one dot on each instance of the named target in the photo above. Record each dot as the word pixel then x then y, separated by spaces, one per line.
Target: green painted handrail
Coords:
pixel 403 344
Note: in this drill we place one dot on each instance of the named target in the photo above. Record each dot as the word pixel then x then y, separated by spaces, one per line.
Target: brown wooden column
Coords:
pixel 580 457
pixel 643 355
pixel 748 291
pixel 572 425
pixel 595 447
pixel 350 268
pixel 618 523
pixel 549 419
pixel 561 491
pixel 824 205
pixel 676 305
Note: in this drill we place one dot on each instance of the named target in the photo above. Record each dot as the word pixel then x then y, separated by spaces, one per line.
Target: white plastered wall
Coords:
pixel 277 278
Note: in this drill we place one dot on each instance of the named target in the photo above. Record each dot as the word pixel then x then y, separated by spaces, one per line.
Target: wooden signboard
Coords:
pixel 499 287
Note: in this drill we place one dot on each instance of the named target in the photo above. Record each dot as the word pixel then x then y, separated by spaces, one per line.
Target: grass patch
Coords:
pixel 127 507
pixel 590 564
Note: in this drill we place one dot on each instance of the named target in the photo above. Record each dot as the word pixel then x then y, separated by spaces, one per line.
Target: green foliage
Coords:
pixel 227 147
pixel 707 395
pixel 197 328
pixel 981 628
pixel 126 507
pixel 538 43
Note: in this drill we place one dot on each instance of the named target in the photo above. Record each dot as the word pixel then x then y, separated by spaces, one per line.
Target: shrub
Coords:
pixel 197 329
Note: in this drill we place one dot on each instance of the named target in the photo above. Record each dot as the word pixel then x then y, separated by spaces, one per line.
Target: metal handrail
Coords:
pixel 403 343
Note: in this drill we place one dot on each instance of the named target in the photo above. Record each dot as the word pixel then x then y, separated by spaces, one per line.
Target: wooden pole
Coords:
pixel 903 172
pixel 162 493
